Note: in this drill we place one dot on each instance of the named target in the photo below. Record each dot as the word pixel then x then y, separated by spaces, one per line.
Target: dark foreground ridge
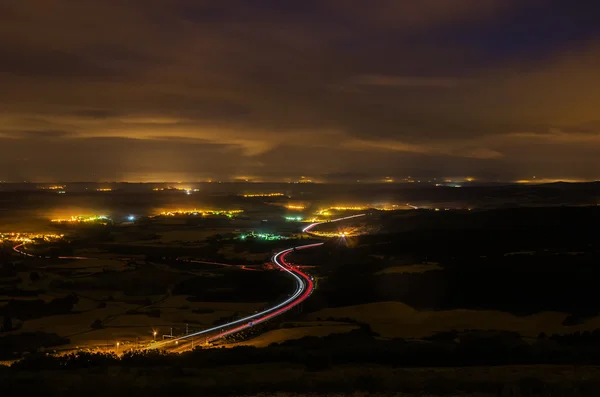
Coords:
pixel 474 362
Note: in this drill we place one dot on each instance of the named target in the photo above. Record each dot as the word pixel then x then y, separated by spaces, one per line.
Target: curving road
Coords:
pixel 22 245
pixel 304 287
pixel 308 228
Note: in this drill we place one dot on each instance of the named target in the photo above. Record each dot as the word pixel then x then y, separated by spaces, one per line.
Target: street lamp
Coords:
pixel 154 333
pixel 118 343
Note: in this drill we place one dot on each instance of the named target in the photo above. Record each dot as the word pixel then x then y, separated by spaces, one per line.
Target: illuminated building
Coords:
pixel 104 189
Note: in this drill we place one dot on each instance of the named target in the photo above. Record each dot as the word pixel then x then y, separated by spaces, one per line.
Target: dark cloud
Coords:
pixel 327 88
pixel 406 82
pixel 51 64
pixel 95 113
pixel 32 134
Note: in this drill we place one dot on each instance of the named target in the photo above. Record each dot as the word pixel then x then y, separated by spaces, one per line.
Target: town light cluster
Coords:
pixel 314 219
pixel 29 237
pixel 85 219
pixel 295 207
pixel 200 212
pixel 262 236
pixel 329 210
pixel 251 195
pixel 180 189
pixel 335 234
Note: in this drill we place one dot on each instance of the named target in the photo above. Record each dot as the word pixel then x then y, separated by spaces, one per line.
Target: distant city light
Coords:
pixel 262 236
pixel 187 190
pixel 131 218
pixel 29 237
pixel 263 195
pixel 295 207
pixel 327 211
pixel 200 212
pixel 90 219
pixel 380 207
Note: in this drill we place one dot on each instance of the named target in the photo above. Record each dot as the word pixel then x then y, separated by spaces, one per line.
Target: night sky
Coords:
pixel 155 90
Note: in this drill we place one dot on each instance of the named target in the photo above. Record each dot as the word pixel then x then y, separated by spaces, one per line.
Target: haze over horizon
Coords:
pixel 158 90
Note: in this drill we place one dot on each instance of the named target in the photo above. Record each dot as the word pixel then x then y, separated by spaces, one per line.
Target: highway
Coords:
pixel 21 252
pixel 308 228
pixel 16 249
pixel 304 287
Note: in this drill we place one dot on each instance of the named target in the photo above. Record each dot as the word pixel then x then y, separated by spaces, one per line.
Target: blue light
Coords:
pixel 131 218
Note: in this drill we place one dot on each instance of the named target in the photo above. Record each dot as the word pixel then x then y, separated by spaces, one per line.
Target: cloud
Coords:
pixel 113 158
pixel 406 82
pixel 33 134
pixel 266 85
pixel 466 149
pixel 150 120
pixel 416 14
pixel 95 113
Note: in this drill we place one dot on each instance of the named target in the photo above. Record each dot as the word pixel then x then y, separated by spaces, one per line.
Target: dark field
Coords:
pixel 520 261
